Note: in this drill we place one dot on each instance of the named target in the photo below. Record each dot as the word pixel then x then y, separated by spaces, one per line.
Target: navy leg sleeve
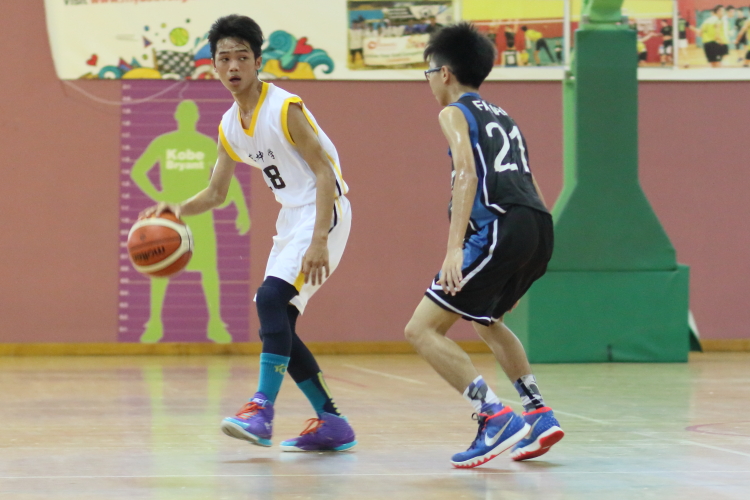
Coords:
pixel 272 301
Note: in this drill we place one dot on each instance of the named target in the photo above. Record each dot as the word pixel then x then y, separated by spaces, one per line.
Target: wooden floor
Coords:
pixel 148 428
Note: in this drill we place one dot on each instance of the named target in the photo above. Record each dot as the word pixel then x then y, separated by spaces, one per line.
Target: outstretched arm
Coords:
pixel 456 130
pixel 742 32
pixel 211 197
pixel 315 260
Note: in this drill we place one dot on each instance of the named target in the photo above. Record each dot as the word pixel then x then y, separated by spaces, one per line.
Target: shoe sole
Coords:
pixel 343 447
pixel 483 459
pixel 233 430
pixel 541 446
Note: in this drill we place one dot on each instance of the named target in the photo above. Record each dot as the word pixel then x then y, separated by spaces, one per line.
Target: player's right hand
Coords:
pixel 160 208
pixel 451 272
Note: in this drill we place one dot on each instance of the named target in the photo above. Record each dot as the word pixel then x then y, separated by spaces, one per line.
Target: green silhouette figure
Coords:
pixel 185 159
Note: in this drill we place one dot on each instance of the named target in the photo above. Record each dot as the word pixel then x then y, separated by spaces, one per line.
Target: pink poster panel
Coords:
pixel 168 148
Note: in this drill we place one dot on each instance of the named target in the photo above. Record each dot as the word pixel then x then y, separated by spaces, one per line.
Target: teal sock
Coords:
pixel 272 371
pixel 319 395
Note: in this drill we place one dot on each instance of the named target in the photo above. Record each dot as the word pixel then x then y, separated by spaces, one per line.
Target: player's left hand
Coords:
pixel 315 262
pixel 450 274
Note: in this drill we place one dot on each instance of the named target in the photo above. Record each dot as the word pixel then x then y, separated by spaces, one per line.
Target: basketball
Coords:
pixel 160 246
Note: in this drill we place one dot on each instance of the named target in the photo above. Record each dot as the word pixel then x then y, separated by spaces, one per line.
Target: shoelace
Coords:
pixel 250 409
pixel 313 425
pixel 481 418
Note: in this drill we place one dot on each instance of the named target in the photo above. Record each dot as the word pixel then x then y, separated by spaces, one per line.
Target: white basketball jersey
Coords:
pixel 268 146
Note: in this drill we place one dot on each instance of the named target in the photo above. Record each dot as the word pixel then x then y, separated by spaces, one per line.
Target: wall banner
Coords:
pixel 394 51
pixel 166 39
pixel 384 39
pixel 168 148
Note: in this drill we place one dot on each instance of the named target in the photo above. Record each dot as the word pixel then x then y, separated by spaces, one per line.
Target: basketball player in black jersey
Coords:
pixel 499 243
pixel 742 38
pixel 667 44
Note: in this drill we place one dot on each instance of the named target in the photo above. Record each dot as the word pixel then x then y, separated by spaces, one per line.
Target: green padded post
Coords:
pixel 605 221
pixel 613 291
pixel 569 143
pixel 604 12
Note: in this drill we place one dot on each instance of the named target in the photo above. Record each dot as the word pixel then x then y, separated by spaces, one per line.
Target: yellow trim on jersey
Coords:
pixel 339 176
pixel 227 146
pixel 285 127
pixel 341 208
pixel 285 118
pixel 310 120
pixel 299 281
pixel 263 93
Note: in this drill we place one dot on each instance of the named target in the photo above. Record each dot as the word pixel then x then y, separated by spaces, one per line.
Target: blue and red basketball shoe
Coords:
pixel 497 433
pixel 254 422
pixel 543 433
pixel 327 433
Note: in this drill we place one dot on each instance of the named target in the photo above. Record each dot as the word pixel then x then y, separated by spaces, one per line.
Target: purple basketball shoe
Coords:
pixel 327 433
pixel 254 422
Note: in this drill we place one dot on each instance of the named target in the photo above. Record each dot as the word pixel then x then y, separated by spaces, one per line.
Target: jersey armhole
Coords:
pixel 227 146
pixel 285 117
pixel 473 127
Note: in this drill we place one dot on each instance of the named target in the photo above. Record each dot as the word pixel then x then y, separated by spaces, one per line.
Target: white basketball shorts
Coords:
pixel 294 230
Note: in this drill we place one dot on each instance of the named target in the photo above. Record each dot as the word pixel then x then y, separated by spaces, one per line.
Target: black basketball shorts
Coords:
pixel 501 261
pixel 714 51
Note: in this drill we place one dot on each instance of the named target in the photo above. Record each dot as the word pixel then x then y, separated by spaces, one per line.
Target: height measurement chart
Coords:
pixel 168 148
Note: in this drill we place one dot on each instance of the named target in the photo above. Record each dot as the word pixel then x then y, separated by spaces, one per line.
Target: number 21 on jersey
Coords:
pixel 501 157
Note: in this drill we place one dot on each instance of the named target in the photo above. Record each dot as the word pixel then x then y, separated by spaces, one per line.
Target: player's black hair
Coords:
pixel 469 54
pixel 730 7
pixel 236 26
pixel 716 9
pixel 524 28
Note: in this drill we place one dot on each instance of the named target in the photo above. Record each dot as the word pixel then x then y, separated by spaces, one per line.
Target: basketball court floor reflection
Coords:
pixel 148 428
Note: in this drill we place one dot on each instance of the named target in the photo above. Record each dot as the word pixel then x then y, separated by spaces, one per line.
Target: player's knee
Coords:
pixel 413 332
pixel 272 311
pixel 268 298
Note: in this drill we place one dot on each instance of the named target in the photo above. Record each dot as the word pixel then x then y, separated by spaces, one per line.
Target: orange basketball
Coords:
pixel 160 246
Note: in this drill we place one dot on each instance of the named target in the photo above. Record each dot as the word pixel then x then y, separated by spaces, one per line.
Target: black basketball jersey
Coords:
pixel 501 160
pixel 666 31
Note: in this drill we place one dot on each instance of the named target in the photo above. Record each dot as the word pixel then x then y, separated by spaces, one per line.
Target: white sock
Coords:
pixel 478 393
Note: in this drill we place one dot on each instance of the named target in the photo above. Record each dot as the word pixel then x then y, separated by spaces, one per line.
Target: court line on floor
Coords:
pixel 694 443
pixel 384 374
pixel 596 421
pixel 381 474
pixel 660 438
pixel 560 412
pixel 697 429
pixel 329 377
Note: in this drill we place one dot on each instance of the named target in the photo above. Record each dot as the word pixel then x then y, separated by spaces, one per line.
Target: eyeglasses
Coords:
pixel 431 70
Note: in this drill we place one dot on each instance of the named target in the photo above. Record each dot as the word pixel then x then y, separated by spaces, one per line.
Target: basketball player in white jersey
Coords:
pixel 272 130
